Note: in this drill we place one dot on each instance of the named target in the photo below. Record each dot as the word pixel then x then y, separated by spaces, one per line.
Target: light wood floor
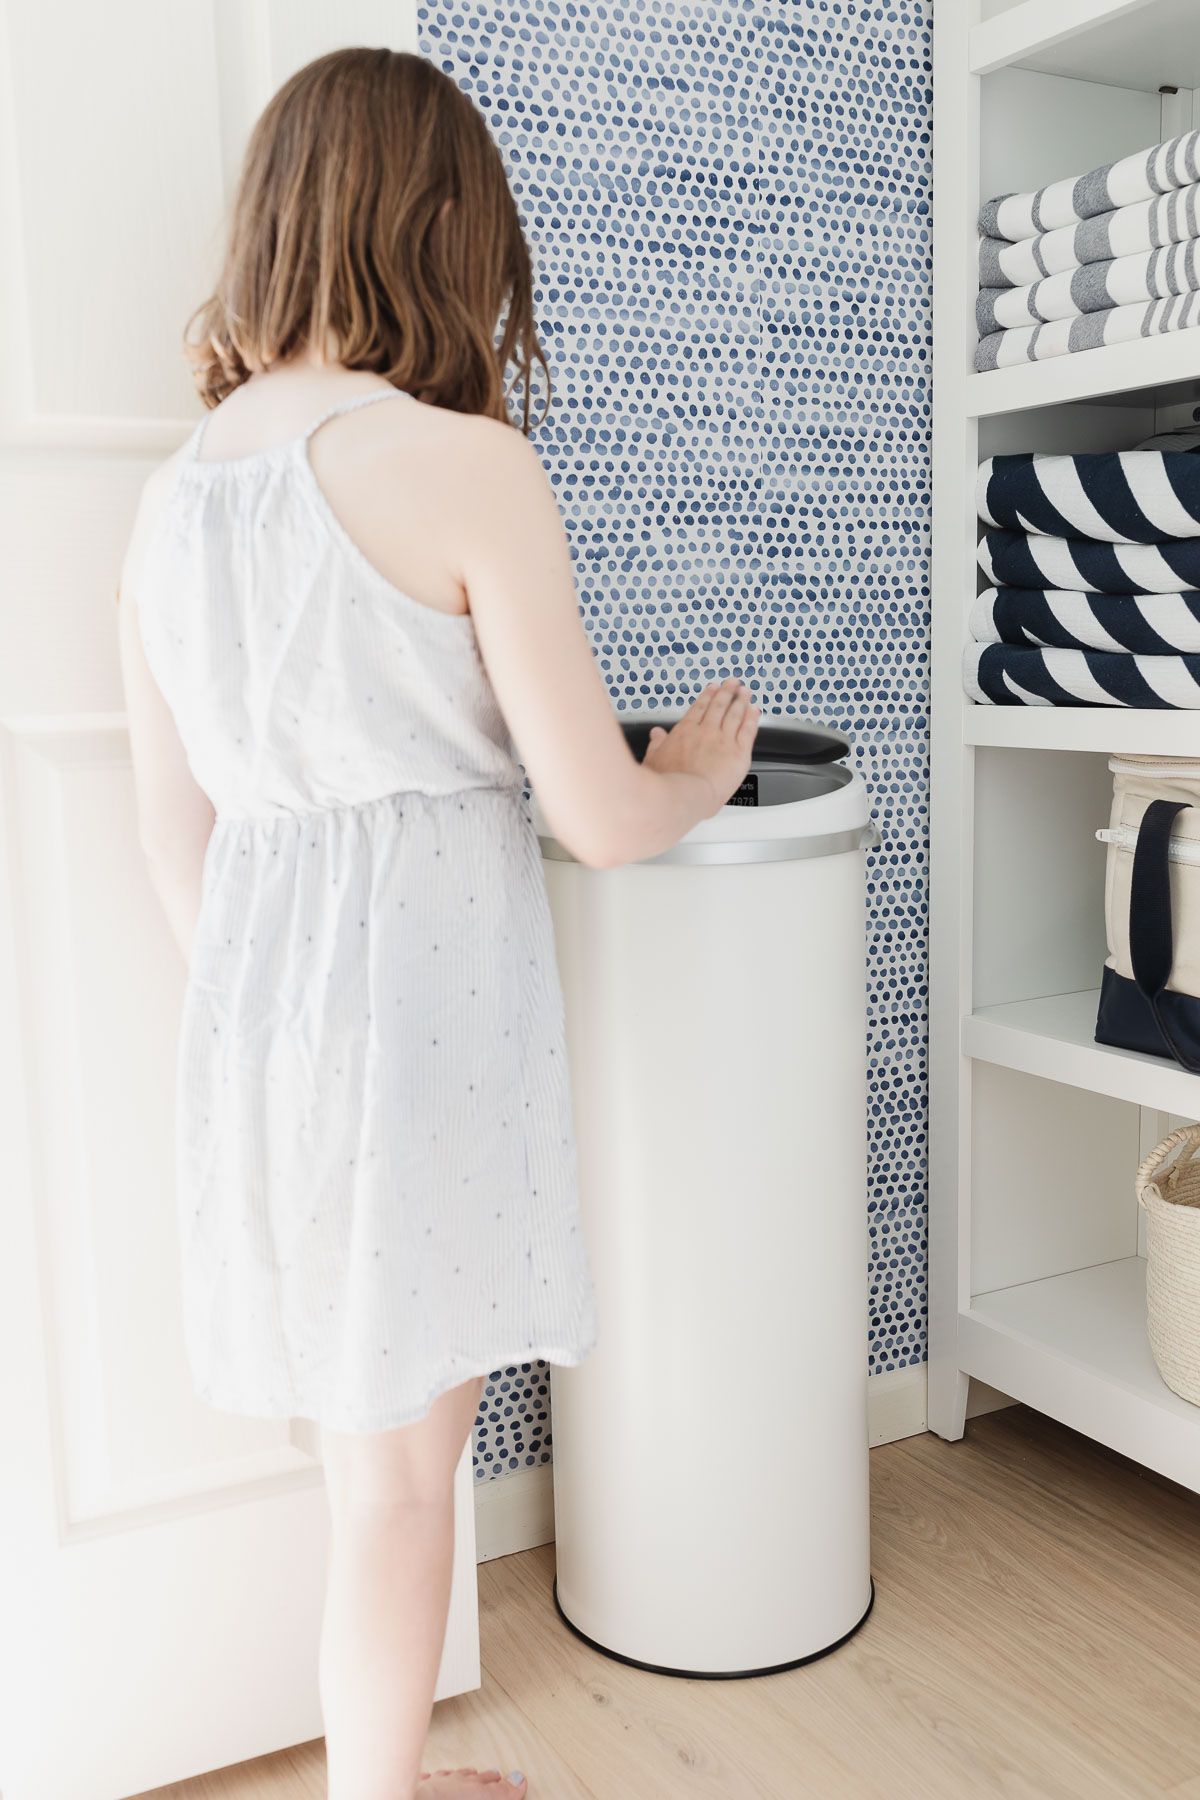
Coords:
pixel 1036 1636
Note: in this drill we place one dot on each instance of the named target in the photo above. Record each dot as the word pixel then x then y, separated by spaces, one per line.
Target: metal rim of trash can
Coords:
pixel 634 1662
pixel 744 850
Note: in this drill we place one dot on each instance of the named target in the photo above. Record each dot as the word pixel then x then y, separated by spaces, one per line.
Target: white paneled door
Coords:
pixel 162 1562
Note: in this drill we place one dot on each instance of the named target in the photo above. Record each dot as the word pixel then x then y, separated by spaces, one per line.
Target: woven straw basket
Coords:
pixel 1172 1203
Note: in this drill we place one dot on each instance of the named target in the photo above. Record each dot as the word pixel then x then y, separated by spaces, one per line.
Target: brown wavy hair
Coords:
pixel 340 236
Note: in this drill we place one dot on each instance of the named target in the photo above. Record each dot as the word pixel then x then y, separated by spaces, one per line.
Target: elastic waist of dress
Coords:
pixel 396 800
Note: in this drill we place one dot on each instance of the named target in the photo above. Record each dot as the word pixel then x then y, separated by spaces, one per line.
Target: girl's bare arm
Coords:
pixel 603 804
pixel 174 814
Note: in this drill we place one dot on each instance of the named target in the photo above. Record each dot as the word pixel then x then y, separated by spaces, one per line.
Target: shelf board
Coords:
pixel 1110 730
pixel 1074 1346
pixel 1169 365
pixel 1141 44
pixel 1052 1036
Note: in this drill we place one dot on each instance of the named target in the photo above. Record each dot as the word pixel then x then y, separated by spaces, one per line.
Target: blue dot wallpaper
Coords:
pixel 728 210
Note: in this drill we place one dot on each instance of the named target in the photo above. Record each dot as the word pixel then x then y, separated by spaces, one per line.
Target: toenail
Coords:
pixel 516 1777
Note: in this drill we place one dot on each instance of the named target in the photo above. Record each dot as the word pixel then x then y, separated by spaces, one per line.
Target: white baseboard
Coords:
pixel 516 1512
pixel 896 1405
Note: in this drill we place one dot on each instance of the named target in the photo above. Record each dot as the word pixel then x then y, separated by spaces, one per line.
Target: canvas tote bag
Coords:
pixel 1150 989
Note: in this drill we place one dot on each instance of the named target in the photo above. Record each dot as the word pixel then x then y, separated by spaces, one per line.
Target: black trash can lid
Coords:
pixel 778 741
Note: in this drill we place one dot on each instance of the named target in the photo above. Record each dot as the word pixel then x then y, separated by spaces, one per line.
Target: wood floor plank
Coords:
pixel 1009 1637
pixel 1090 1489
pixel 1034 1638
pixel 630 1732
pixel 1115 1584
pixel 485 1729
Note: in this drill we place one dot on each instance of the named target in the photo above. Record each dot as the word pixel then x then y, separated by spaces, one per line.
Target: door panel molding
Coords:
pixel 130 1438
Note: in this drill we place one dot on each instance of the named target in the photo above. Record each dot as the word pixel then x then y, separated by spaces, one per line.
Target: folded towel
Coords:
pixel 1184 437
pixel 1146 624
pixel 1155 170
pixel 1129 231
pixel 1117 496
pixel 1121 281
pixel 1118 325
pixel 1016 559
pixel 1003 675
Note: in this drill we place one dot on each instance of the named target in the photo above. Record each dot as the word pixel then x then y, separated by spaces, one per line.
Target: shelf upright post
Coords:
pixel 955 458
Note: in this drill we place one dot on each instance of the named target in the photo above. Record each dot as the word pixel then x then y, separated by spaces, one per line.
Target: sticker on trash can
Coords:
pixel 747 794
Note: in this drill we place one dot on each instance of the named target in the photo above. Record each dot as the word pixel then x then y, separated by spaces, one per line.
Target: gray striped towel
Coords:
pixel 1091 331
pixel 1155 170
pixel 1129 231
pixel 1121 281
pixel 1184 437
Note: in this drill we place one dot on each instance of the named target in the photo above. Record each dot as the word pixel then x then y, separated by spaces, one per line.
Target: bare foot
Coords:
pixel 469 1784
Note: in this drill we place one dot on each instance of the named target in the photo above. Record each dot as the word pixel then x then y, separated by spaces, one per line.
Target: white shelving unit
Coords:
pixel 1036 1273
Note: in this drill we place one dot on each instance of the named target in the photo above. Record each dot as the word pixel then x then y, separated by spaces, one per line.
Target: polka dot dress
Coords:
pixel 375 1163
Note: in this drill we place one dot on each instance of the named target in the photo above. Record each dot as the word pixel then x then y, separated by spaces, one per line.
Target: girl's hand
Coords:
pixel 713 739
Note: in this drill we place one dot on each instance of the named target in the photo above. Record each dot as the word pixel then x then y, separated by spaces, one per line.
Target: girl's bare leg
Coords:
pixel 391 1501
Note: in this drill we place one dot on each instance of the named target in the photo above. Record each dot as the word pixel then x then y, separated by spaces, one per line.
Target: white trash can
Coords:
pixel 710 1455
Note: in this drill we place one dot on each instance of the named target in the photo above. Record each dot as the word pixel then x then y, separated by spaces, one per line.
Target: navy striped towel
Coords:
pixel 1005 675
pixel 1055 618
pixel 1117 496
pixel 1017 559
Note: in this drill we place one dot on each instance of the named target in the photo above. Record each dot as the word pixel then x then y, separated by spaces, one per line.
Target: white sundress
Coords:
pixel 375 1160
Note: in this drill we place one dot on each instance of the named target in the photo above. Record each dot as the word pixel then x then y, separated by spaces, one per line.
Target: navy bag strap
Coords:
pixel 1151 940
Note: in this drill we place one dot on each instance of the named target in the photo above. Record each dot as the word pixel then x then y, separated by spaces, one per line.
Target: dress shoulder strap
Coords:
pixel 192 442
pixel 344 406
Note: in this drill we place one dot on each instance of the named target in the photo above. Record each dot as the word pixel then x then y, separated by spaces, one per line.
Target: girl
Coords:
pixel 341 596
